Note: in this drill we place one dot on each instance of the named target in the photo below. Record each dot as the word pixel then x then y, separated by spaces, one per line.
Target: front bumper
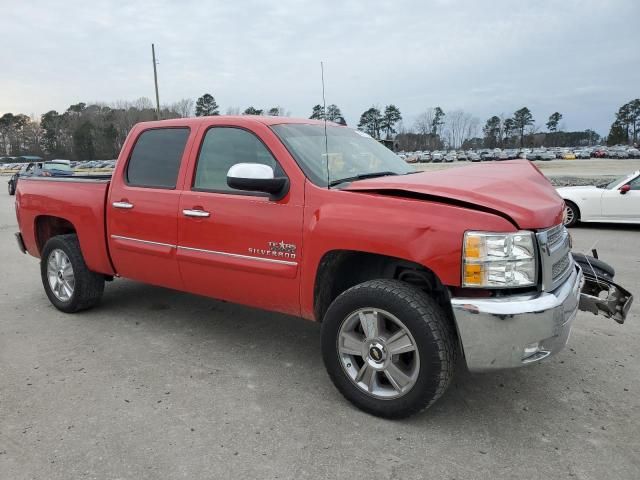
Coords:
pixel 513 331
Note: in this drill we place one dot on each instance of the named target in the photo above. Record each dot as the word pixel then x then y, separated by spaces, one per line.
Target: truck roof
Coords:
pixel 231 119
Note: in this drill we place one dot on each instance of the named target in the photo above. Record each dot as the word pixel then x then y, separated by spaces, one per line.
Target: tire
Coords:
pixel 78 288
pixel 592 265
pixel 11 188
pixel 430 331
pixel 572 214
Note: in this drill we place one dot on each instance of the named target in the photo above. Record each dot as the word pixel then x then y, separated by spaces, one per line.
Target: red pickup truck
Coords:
pixel 405 270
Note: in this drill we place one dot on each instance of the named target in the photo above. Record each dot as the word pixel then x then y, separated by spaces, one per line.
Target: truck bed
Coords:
pixel 49 204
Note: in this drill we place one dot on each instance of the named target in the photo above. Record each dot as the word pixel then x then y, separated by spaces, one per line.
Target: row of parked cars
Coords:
pixel 88 164
pixel 543 154
pixel 52 168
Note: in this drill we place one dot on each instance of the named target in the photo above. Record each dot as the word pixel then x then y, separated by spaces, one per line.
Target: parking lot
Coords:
pixel 573 168
pixel 160 384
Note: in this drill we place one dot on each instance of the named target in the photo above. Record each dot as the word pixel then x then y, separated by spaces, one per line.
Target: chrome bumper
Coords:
pixel 514 331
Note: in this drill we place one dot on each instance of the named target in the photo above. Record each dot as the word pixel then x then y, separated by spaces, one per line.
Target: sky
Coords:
pixel 581 58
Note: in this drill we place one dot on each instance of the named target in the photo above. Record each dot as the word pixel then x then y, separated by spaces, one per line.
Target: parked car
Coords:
pixel 582 153
pixel 406 272
pixel 424 157
pixel 617 201
pixel 53 168
pixel 600 153
pixel 546 156
pixel 633 153
pixel 473 157
pixel 437 157
pixel 568 156
pixel 462 156
pixel 501 155
pixel 450 157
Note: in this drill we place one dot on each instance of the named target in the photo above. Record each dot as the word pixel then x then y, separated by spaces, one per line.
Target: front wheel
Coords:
pixel 11 188
pixel 388 347
pixel 67 281
pixel 571 214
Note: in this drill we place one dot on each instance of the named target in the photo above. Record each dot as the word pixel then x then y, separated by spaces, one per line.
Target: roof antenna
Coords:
pixel 324 115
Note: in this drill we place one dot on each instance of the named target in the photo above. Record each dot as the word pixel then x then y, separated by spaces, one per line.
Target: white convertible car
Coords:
pixel 615 202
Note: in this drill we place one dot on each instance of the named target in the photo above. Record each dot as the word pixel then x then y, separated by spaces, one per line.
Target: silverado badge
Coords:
pixel 276 249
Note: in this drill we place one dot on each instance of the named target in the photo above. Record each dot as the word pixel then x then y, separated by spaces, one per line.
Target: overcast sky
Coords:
pixel 581 58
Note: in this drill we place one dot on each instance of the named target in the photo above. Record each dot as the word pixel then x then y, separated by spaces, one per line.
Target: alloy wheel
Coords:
pixel 60 275
pixel 378 353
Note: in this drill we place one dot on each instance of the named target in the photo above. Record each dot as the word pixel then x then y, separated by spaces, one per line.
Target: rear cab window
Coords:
pixel 156 157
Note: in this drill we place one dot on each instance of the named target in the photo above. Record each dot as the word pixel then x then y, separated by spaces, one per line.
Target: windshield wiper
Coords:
pixel 362 176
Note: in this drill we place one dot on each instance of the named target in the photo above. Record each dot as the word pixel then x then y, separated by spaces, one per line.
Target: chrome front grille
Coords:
pixel 556 261
pixel 560 267
pixel 555 235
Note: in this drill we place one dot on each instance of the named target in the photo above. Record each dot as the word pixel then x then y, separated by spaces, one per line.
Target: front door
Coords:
pixel 622 206
pixel 234 245
pixel 142 208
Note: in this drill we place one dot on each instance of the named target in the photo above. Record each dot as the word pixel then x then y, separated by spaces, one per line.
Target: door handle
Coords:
pixel 122 204
pixel 195 213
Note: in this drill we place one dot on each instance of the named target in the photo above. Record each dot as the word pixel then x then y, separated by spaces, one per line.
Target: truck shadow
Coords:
pixel 265 342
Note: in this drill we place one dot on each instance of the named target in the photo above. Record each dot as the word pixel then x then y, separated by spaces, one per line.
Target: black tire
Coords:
pixel 570 206
pixel 593 266
pixel 11 188
pixel 429 325
pixel 89 286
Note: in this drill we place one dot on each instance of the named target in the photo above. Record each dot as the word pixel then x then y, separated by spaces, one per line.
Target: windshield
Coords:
pixel 57 166
pixel 615 182
pixel 350 153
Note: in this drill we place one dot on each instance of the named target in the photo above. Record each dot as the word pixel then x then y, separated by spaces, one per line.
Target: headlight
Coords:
pixel 499 260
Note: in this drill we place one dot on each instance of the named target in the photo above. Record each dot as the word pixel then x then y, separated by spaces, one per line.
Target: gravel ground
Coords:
pixel 157 384
pixel 582 170
pixel 568 181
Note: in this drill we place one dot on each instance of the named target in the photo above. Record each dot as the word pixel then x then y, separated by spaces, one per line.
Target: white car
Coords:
pixel 615 202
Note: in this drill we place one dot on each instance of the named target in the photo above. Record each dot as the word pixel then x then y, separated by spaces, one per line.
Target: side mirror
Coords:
pixel 624 189
pixel 256 177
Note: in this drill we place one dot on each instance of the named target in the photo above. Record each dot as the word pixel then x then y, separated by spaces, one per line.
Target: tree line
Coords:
pixel 97 131
pixel 435 130
pixel 626 126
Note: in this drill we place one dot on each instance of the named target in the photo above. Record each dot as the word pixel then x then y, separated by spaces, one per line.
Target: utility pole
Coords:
pixel 155 79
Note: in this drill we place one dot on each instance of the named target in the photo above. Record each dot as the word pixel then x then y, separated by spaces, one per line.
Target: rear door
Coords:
pixel 622 206
pixel 143 205
pixel 234 245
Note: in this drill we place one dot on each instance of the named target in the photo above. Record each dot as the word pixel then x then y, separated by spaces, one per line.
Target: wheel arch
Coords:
pixel 48 226
pixel 574 204
pixel 339 270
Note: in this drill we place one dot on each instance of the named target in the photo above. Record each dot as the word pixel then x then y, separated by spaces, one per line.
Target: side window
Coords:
pixel 222 148
pixel 635 184
pixel 156 156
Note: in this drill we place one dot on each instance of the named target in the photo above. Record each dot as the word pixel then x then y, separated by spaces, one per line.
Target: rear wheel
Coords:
pixel 571 214
pixel 67 281
pixel 388 347
pixel 12 188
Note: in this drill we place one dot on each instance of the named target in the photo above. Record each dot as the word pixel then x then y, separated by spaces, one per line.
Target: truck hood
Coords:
pixel 516 190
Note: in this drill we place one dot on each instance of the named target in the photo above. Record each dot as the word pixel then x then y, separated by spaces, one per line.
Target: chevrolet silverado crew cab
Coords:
pixel 407 271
